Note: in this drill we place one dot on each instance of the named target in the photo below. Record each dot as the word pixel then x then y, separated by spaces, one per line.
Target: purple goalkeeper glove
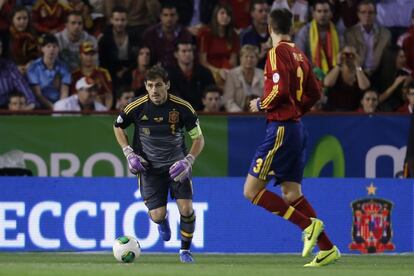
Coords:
pixel 181 170
pixel 136 163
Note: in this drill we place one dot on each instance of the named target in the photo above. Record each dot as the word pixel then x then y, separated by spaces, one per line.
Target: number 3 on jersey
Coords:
pixel 259 163
pixel 299 92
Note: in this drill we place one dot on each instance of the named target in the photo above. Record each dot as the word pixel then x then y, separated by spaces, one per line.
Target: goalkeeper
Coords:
pixel 158 155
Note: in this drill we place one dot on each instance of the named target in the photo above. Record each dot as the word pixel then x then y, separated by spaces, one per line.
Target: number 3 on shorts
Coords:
pixel 259 163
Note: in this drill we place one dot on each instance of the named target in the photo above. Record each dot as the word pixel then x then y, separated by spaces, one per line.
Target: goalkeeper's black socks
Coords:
pixel 187 226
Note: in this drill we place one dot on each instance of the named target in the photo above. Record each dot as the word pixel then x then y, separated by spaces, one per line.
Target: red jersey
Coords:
pixel 102 78
pixel 290 87
pixel 49 17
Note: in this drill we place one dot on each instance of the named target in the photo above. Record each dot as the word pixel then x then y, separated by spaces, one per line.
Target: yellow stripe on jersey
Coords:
pixel 182 102
pixel 289 212
pixel 272 58
pixel 266 102
pixel 270 155
pixel 135 103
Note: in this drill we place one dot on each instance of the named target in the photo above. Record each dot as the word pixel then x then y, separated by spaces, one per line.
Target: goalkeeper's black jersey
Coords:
pixel 159 129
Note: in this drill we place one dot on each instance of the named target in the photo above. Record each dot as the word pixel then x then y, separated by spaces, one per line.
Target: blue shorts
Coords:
pixel 282 153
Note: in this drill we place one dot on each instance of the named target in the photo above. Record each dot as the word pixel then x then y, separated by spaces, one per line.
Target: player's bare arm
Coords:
pixel 121 137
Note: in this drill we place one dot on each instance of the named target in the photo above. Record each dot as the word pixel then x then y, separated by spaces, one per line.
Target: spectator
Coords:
pixel 17 101
pixel 393 82
pixel 188 78
pixel 368 38
pixel 71 38
pixel 124 96
pixel 245 82
pixel 369 102
pixel 136 76
pixel 22 41
pixel 83 100
pixel 48 76
pixel 140 15
pixel 84 9
pixel 406 42
pixel 256 34
pixel 219 44
pixel 49 16
pixel 408 107
pixel 346 82
pixel 395 16
pixel 115 47
pixel 319 39
pixel 299 9
pixel 194 14
pixel 212 99
pixel 11 80
pixel 240 10
pixel 101 76
pixel 345 13
pixel 6 8
pixel 162 37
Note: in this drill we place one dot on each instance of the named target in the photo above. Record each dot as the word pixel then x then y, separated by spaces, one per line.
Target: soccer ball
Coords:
pixel 126 249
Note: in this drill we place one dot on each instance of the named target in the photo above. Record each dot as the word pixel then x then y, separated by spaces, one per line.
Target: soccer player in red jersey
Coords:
pixel 290 90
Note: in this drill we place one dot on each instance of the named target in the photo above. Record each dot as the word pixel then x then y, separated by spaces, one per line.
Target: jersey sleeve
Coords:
pixel 275 79
pixel 124 119
pixel 191 122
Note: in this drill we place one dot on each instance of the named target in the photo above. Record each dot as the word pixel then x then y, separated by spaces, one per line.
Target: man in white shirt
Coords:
pixel 83 100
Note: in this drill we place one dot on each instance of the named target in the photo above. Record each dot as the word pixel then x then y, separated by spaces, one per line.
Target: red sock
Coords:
pixel 302 205
pixel 276 205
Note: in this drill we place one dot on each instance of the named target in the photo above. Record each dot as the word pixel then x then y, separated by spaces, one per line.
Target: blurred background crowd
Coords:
pixel 74 55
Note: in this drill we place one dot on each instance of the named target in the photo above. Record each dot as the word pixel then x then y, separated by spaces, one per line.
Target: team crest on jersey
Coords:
pixel 276 78
pixel 119 120
pixel 371 227
pixel 146 131
pixel 173 117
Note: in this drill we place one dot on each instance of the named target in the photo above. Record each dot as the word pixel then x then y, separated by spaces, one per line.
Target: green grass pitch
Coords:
pixel 79 264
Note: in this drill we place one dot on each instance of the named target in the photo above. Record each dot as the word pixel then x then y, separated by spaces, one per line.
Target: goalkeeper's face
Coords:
pixel 157 90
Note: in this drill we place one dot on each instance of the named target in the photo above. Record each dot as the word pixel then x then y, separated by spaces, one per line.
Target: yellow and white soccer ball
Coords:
pixel 126 249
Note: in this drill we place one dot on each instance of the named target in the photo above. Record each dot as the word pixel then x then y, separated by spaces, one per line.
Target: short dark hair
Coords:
pixel 280 20
pixel 253 3
pixel 119 9
pixel 74 13
pixel 212 88
pixel 48 39
pixel 157 71
pixel 183 42
pixel 15 94
pixel 168 5
pixel 321 2
pixel 367 2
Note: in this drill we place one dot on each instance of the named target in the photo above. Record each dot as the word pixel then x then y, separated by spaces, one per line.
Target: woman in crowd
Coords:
pixel 22 46
pixel 244 82
pixel 369 102
pixel 346 82
pixel 219 43
pixel 137 75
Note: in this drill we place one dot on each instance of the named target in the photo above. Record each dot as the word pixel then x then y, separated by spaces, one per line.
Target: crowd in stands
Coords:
pixel 74 55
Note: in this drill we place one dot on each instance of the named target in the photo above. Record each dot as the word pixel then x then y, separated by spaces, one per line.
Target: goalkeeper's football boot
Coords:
pixel 164 230
pixel 310 236
pixel 186 257
pixel 325 257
